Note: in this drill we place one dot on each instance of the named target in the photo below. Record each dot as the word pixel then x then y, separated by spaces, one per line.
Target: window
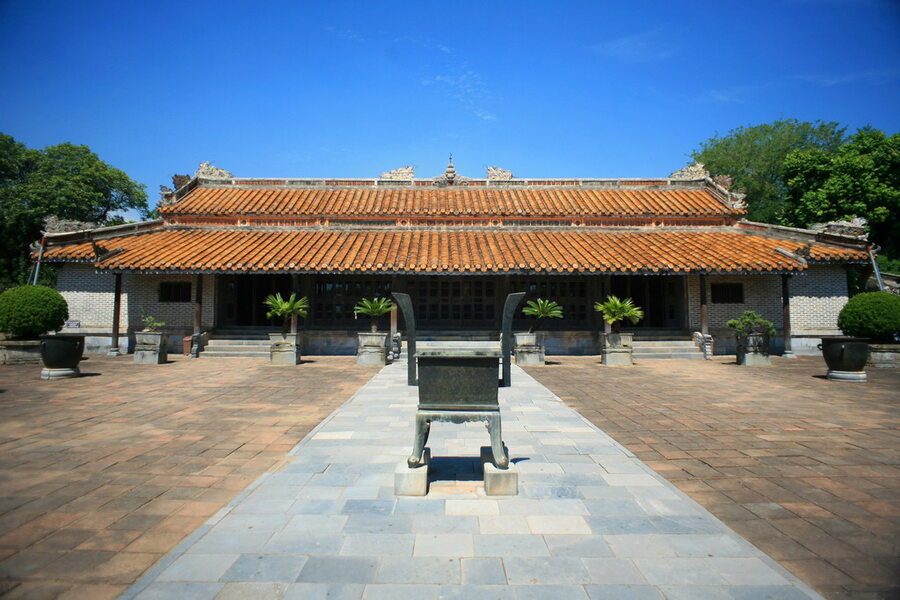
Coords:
pixel 175 291
pixel 727 293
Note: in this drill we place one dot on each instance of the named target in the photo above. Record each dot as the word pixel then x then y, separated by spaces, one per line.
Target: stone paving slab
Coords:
pixel 590 521
pixel 806 469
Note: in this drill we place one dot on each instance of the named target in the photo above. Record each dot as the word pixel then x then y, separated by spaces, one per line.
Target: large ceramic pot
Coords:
pixel 846 357
pixel 61 355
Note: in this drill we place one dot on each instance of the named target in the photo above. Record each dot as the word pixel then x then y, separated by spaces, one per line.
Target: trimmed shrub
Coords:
pixel 750 322
pixel 28 311
pixel 873 315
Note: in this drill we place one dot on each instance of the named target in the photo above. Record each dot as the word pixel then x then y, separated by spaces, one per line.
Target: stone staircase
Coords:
pixel 652 347
pixel 238 343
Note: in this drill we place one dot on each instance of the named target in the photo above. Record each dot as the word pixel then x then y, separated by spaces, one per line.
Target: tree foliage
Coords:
pixel 859 179
pixel 753 157
pixel 68 181
pixel 542 309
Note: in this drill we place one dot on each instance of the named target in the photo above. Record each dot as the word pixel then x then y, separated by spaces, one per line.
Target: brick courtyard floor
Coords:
pixel 806 469
pixel 101 476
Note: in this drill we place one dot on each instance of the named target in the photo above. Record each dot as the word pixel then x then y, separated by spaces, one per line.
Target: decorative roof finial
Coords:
pixel 449 176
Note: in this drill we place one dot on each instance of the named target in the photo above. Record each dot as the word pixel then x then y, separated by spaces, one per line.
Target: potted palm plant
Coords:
pixel 616 349
pixel 529 346
pixel 753 334
pixel 372 349
pixel 284 348
pixel 151 345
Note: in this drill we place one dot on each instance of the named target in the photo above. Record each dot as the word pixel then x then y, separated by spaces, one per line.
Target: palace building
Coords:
pixel 678 246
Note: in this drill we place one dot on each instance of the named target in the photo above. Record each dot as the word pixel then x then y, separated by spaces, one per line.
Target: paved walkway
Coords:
pixel 806 469
pixel 591 520
pixel 102 475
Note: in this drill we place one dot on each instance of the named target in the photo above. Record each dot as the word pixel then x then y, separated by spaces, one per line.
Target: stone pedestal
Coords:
pixel 530 356
pixel 755 359
pixel 855 376
pixel 48 373
pixel 617 357
pixel 884 356
pixel 412 481
pixel 498 482
pixel 151 348
pixel 284 348
pixel 372 349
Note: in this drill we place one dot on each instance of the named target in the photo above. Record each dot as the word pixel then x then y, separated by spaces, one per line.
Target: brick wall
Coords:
pixel 90 298
pixel 762 293
pixel 817 296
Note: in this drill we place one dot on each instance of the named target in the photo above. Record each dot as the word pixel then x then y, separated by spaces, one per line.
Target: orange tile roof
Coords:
pixel 404 250
pixel 513 202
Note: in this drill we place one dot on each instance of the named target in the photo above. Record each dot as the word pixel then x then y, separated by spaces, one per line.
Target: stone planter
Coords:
pixel 753 350
pixel 884 356
pixel 61 355
pixel 150 347
pixel 529 349
pixel 284 348
pixel 20 352
pixel 846 357
pixel 616 349
pixel 372 349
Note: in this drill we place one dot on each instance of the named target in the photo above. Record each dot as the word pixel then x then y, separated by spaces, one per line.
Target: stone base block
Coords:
pixel 145 357
pixel 47 373
pixel 617 357
pixel 754 359
pixel 113 351
pixel 530 356
pixel 284 357
pixel 412 482
pixel 498 482
pixel 368 357
pixel 856 376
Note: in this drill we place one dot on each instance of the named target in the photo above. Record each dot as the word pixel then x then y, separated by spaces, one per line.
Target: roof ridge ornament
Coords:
pixel 209 171
pixel 690 172
pixel 498 174
pixel 449 176
pixel 407 172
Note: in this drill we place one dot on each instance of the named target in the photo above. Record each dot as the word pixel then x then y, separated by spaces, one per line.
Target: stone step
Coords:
pixel 245 354
pixel 659 355
pixel 651 343
pixel 223 348
pixel 237 342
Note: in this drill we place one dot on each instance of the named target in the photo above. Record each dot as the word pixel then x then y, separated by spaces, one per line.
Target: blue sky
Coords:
pixel 351 89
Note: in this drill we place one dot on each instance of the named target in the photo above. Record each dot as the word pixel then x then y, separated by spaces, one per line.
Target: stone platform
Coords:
pixel 590 520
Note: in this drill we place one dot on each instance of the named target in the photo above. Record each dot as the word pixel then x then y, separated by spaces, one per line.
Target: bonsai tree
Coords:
pixel 614 311
pixel 873 315
pixel 152 324
pixel 542 309
pixel 28 311
pixel 287 309
pixel 374 309
pixel 751 323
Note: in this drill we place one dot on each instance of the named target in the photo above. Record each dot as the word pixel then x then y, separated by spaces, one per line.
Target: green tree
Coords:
pixel 752 156
pixel 859 179
pixel 66 181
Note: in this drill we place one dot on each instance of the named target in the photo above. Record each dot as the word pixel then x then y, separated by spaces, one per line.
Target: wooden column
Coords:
pixel 704 307
pixel 786 315
pixel 295 289
pixel 117 311
pixel 198 316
